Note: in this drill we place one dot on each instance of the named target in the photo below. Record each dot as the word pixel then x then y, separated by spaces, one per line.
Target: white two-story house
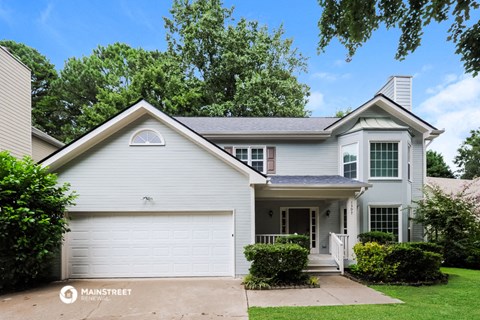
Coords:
pixel 162 196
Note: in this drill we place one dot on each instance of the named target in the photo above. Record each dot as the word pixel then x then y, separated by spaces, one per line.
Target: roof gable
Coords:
pixel 393 109
pixel 134 112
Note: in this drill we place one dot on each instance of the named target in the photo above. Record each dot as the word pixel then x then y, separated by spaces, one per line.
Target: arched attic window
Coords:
pixel 147 137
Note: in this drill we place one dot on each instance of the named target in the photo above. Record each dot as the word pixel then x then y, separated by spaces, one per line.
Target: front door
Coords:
pixel 301 221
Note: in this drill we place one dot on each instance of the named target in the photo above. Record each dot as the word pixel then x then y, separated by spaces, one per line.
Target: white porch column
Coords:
pixel 352 225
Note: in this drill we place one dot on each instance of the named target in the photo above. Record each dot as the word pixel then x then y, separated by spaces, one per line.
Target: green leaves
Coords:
pixel 468 157
pixel 436 166
pixel 353 22
pixel 32 221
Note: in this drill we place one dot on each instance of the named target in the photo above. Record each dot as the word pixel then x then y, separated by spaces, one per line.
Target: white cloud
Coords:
pixel 316 101
pixel 45 14
pixel 330 77
pixel 447 79
pixel 425 68
pixel 455 108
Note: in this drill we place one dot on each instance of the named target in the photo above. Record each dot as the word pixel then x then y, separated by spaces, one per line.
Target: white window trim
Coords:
pixel 410 161
pixel 388 205
pixel 131 143
pixel 249 155
pixel 342 164
pixel 399 177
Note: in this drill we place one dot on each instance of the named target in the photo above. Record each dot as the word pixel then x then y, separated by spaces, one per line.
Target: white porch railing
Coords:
pixel 344 239
pixel 337 250
pixel 268 238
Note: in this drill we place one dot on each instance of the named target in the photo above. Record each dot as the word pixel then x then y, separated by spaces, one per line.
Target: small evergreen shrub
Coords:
pixel 413 264
pixel 376 236
pixel 300 239
pixel 426 246
pixel 371 264
pixel 277 263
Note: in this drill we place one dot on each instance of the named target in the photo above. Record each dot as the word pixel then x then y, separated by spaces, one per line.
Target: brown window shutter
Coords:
pixel 229 149
pixel 271 165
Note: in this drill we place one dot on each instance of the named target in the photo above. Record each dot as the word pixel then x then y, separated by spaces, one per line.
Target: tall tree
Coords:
pixel 43 73
pixel 354 21
pixel 468 157
pixel 95 87
pixel 436 166
pixel 242 68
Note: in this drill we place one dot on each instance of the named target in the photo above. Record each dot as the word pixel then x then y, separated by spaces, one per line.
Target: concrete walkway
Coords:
pixel 333 291
pixel 175 298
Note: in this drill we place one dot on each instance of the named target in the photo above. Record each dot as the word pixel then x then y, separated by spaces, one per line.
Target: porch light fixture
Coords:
pixel 327 213
pixel 270 213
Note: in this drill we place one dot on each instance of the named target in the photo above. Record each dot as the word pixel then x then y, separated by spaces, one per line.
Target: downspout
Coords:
pixel 359 194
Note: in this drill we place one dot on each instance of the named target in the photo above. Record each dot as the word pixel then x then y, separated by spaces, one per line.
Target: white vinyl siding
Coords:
pixel 41 149
pixel 384 160
pixel 15 106
pixel 181 176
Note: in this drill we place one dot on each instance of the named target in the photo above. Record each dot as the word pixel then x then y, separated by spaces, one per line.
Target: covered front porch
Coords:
pixel 324 208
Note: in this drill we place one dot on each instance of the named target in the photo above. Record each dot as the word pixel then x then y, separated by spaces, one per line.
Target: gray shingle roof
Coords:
pixel 334 180
pixel 205 125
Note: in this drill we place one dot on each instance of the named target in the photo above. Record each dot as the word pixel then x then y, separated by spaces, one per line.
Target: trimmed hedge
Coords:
pixel 376 236
pixel 401 262
pixel 426 246
pixel 414 264
pixel 277 263
pixel 300 239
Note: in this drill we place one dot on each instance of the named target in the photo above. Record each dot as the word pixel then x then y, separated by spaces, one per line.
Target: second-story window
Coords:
pixel 384 160
pixel 349 158
pixel 254 157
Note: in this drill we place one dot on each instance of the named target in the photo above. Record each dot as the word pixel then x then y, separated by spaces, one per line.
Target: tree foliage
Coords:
pixel 354 21
pixel 468 157
pixel 94 88
pixel 242 68
pixel 43 75
pixel 32 221
pixel 453 222
pixel 436 166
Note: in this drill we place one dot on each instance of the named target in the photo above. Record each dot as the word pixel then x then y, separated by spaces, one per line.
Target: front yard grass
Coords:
pixel 459 299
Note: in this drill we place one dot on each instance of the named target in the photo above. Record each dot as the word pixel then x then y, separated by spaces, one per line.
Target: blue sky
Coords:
pixel 442 94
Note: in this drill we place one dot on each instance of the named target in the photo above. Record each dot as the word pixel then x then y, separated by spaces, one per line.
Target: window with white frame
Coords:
pixel 384 160
pixel 349 159
pixel 253 156
pixel 147 137
pixel 385 219
pixel 409 165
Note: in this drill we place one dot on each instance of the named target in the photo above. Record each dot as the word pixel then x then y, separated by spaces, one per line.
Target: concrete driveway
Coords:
pixel 193 298
pixel 173 298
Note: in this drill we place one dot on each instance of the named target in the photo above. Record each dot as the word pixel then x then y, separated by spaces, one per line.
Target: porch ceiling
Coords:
pixel 310 187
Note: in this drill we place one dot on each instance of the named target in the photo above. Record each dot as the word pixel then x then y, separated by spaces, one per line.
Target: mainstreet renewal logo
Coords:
pixel 69 294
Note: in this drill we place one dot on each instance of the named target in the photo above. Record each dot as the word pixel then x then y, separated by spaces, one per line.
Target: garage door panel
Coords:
pixel 150 245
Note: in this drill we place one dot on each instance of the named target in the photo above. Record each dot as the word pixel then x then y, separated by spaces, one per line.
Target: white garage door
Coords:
pixel 150 245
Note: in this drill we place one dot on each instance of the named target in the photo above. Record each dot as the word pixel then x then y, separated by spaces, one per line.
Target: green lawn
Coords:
pixel 459 299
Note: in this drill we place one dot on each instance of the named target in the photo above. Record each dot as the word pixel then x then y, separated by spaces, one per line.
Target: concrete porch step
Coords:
pixel 327 270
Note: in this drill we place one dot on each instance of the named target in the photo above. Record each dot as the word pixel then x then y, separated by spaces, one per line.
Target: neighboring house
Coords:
pixel 456 186
pixel 16 132
pixel 15 105
pixel 163 197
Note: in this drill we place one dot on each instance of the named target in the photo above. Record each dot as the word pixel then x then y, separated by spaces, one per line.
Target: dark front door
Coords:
pixel 299 221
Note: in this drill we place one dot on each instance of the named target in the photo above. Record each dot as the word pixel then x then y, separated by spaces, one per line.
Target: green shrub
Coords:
pixel 277 263
pixel 254 283
pixel 376 236
pixel 300 239
pixel 426 246
pixel 32 221
pixel 371 263
pixel 413 264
